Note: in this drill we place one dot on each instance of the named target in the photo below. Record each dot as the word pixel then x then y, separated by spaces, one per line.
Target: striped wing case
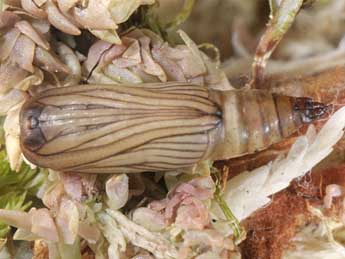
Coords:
pixel 119 128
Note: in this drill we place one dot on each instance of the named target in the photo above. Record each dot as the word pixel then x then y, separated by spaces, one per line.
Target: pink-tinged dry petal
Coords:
pixel 171 68
pixel 11 99
pixel 107 35
pixel 23 53
pixel 159 205
pixel 200 80
pixel 169 52
pixel 188 63
pixel 43 224
pixel 184 205
pixel 10 75
pixel 57 19
pixel 49 62
pixel 73 185
pixel 66 5
pixel 12 143
pixel 198 62
pixel 114 52
pixel 34 79
pixel 89 232
pixel 40 3
pixel 133 50
pixel 95 53
pixel 8 41
pixel 27 29
pixel 145 78
pixel 149 65
pixel 142 256
pixel 30 7
pixel 204 183
pixel 8 19
pixel 121 10
pixel 71 60
pixel 95 16
pixel 42 26
pixel 149 219
pixel 125 63
pixel 122 75
pixel 201 193
pixel 192 214
pixel 88 182
pixel 18 219
pixel 67 221
pixel 170 210
pixel 130 57
pixel 116 189
pixel 208 237
pixel 52 197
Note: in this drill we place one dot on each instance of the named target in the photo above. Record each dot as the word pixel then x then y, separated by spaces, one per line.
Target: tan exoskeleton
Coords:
pixel 154 127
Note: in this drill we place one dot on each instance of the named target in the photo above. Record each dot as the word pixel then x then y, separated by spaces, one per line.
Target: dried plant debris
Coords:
pixel 143 57
pixel 101 18
pixel 285 202
pixel 282 16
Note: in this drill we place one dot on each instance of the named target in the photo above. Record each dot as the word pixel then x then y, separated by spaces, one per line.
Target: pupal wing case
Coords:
pixel 119 128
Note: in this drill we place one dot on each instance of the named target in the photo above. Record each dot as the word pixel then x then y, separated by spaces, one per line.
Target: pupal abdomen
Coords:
pixel 119 129
pixel 153 127
pixel 255 119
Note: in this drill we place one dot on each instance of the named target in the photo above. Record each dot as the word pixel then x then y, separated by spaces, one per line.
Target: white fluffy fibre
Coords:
pixel 250 191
